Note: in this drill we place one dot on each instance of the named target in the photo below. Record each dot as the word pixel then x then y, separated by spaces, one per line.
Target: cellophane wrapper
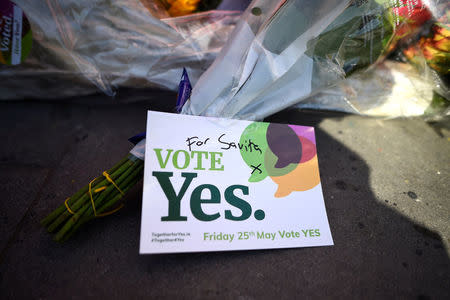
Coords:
pixel 82 47
pixel 325 54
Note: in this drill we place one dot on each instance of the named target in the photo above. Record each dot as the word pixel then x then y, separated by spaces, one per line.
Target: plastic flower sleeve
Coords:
pixel 283 52
pixel 139 150
pixel 80 46
pixel 288 52
pixel 390 89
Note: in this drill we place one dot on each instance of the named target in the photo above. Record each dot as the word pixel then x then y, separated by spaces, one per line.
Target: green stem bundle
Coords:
pixel 64 222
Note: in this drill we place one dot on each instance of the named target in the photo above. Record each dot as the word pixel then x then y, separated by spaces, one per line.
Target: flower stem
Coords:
pixel 110 192
pixel 118 170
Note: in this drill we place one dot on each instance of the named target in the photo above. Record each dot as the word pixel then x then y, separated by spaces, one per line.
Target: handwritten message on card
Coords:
pixel 217 184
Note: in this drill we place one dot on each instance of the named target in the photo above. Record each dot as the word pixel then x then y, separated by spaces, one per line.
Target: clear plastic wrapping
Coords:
pixel 322 54
pixel 390 89
pixel 82 45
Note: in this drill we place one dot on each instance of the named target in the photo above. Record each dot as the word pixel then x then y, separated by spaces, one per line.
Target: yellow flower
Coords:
pixel 441 39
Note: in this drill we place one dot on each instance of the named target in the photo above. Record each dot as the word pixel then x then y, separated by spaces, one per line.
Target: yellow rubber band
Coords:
pixel 110 180
pixel 100 189
pixel 90 196
pixel 67 206
pixel 97 191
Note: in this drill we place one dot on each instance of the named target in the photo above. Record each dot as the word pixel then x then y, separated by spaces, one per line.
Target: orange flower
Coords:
pixel 182 7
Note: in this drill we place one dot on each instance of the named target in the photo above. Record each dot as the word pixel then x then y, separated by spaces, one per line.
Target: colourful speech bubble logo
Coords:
pixel 302 173
pixel 286 153
pixel 253 146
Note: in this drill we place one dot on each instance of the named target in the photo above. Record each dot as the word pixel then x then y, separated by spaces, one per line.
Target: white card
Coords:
pixel 215 184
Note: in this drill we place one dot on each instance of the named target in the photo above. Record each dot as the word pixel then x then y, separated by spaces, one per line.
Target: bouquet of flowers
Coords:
pixel 413 81
pixel 288 51
pixel 429 52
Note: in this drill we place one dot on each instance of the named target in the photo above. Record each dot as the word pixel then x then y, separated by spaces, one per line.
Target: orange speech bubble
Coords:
pixel 303 178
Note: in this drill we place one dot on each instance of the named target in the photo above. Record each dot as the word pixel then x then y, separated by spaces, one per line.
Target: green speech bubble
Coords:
pixel 253 146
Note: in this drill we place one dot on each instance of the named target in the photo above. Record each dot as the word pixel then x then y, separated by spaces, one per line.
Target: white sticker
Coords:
pixel 16 52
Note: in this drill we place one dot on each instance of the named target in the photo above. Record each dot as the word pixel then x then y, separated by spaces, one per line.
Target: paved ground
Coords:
pixel 386 187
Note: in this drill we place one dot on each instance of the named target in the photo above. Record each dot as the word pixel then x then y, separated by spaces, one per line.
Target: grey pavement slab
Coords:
pixel 20 186
pixel 385 184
